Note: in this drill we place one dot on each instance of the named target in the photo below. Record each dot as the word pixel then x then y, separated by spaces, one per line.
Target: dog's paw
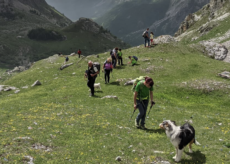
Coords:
pixel 177 160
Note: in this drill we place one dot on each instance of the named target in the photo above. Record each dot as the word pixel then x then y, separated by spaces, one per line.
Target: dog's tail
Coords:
pixel 196 142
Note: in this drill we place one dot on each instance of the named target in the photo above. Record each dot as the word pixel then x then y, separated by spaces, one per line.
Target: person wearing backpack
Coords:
pixel 146 37
pixel 114 56
pixel 133 60
pixel 107 67
pixel 91 73
pixel 143 90
pixel 79 53
pixel 119 54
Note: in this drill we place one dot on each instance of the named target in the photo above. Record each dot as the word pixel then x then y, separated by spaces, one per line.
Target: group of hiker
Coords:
pixel 148 37
pixel 143 88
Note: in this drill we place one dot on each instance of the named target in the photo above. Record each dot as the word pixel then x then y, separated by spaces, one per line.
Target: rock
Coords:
pixel 225 74
pixel 22 138
pixel 110 97
pixel 29 159
pixel 36 83
pixel 118 158
pixel 130 82
pixel 65 66
pixel 146 60
pixel 25 87
pixel 215 50
pixel 17 91
pixel 72 54
pixel 194 38
pixel 164 39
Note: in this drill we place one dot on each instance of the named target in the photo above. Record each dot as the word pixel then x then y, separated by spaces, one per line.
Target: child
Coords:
pixel 151 38
pixel 120 57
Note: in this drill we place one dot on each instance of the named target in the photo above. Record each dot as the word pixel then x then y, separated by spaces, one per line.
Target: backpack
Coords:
pixel 136 58
pixel 98 66
pixel 109 64
pixel 141 78
pixel 144 34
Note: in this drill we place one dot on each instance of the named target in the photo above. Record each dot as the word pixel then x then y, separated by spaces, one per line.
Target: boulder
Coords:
pixel 36 83
pixel 65 66
pixel 164 39
pixel 110 97
pixel 225 74
pixel 215 50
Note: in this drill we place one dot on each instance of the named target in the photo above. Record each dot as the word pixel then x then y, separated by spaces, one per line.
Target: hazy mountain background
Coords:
pixel 127 19
pixel 52 33
pixel 74 9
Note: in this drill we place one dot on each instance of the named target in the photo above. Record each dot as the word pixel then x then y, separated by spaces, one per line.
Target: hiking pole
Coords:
pixel 132 115
pixel 152 103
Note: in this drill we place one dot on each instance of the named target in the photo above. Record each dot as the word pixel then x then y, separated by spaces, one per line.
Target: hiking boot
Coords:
pixel 143 127
pixel 136 124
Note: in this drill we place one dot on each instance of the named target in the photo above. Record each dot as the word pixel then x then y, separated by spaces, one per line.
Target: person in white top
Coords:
pixel 151 38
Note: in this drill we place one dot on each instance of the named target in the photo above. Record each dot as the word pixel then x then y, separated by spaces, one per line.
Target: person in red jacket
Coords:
pixel 79 53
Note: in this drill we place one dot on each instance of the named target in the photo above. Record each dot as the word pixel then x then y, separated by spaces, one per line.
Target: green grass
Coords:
pixel 82 129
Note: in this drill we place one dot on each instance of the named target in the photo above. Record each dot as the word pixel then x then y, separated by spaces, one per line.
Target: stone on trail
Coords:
pixel 110 97
pixel 118 158
pixel 225 74
pixel 36 83
pixel 65 66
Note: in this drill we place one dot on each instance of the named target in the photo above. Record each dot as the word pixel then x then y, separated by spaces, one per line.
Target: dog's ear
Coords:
pixel 174 122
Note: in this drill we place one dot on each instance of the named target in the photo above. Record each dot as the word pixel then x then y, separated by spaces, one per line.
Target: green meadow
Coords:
pixel 65 125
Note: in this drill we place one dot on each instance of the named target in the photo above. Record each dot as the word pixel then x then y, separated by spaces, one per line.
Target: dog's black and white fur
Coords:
pixel 180 136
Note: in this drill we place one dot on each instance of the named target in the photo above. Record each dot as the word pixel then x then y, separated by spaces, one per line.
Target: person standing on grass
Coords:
pixel 114 57
pixel 79 53
pixel 146 37
pixel 66 59
pixel 151 38
pixel 141 98
pixel 107 67
pixel 119 54
pixel 91 73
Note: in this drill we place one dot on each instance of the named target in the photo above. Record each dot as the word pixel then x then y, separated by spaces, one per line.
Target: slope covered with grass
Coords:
pixel 76 128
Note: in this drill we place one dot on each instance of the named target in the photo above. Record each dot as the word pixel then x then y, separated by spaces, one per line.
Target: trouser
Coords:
pixel 120 61
pixel 107 75
pixel 114 62
pixel 79 55
pixel 90 84
pixel 147 41
pixel 142 106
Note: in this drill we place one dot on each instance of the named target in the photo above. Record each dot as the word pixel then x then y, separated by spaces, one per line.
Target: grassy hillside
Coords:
pixel 76 128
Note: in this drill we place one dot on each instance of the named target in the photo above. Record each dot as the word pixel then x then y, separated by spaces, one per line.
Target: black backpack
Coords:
pixel 98 66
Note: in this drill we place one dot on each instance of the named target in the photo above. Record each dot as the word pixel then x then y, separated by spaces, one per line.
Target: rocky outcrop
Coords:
pixel 208 10
pixel 215 50
pixel 164 39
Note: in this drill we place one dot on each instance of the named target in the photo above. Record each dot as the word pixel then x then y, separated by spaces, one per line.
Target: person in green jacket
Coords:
pixel 143 90
pixel 132 60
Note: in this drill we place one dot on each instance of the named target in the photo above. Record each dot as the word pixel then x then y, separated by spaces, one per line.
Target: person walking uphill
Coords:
pixel 108 67
pixel 91 73
pixel 147 37
pixel 114 57
pixel 141 98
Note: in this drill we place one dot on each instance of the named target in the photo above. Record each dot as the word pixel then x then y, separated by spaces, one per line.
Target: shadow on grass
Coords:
pixel 154 130
pixel 115 83
pixel 197 157
pixel 99 91
pixel 95 96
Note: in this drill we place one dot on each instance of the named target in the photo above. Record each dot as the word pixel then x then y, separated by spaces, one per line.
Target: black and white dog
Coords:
pixel 180 136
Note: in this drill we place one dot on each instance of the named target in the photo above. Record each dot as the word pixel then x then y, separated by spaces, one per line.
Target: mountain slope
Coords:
pixel 74 9
pixel 17 18
pixel 128 20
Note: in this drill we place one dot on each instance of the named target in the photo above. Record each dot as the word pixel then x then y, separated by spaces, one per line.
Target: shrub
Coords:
pixel 44 34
